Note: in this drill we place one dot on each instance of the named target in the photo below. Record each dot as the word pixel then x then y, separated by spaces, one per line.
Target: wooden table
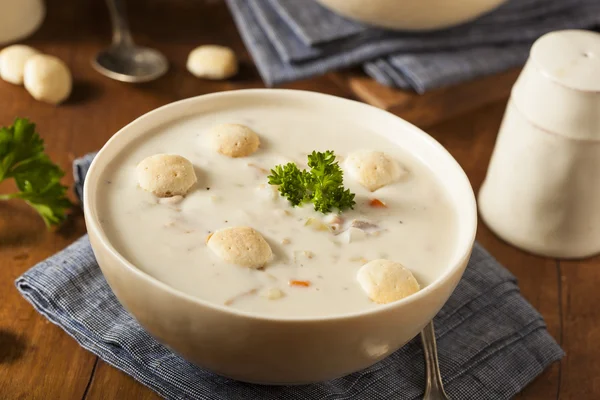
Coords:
pixel 39 361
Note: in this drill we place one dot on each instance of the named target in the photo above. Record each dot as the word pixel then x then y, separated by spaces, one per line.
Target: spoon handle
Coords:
pixel 434 389
pixel 118 17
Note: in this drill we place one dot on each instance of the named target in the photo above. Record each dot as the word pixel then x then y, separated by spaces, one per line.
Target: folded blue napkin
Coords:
pixel 292 39
pixel 492 342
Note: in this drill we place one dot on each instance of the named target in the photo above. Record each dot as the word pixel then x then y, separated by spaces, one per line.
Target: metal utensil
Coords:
pixel 123 60
pixel 434 389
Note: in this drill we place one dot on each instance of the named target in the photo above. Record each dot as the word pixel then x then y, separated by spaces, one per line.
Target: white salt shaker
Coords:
pixel 542 189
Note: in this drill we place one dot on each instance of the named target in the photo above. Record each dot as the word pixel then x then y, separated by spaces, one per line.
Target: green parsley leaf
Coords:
pixel 323 185
pixel 22 158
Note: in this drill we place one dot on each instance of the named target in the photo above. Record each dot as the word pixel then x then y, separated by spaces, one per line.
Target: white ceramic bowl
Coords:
pixel 260 349
pixel 412 15
pixel 20 19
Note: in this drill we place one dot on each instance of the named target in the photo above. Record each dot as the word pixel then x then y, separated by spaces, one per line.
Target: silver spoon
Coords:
pixel 434 389
pixel 123 60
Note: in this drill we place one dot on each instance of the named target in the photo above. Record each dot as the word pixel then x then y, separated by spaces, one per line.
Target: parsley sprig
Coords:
pixel 323 185
pixel 22 158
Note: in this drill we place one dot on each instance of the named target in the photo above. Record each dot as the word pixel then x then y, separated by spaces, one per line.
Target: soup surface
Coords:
pixel 168 240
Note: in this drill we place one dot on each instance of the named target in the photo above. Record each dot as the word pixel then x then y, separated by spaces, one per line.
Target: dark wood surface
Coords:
pixel 39 361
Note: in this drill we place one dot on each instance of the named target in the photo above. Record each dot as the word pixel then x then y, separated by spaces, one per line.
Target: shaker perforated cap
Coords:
pixel 570 57
pixel 559 88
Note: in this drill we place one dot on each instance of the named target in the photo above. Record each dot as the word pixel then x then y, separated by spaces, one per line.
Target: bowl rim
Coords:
pixel 92 224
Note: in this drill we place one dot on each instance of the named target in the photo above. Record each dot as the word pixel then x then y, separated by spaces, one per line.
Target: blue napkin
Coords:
pixel 291 40
pixel 492 342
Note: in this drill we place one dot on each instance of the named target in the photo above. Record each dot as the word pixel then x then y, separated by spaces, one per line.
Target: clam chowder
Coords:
pixel 190 204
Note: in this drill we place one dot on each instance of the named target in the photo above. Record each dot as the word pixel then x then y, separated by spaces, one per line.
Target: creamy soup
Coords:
pixel 167 239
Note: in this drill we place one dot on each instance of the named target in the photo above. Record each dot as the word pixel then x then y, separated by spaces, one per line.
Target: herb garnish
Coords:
pixel 37 178
pixel 323 185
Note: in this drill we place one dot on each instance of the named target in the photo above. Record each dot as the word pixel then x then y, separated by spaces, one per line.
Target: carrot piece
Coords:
pixel 377 203
pixel 299 283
